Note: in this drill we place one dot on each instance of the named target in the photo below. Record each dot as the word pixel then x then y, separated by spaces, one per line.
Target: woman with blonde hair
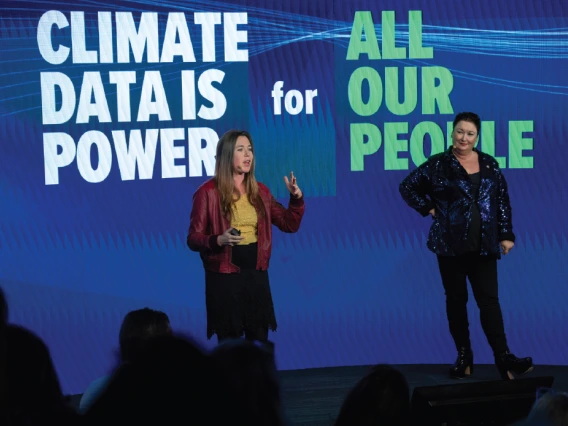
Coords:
pixel 230 227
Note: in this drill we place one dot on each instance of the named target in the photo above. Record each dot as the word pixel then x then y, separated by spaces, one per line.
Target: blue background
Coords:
pixel 356 285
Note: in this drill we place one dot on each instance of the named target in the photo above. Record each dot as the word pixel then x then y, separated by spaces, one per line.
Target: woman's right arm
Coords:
pixel 415 187
pixel 197 237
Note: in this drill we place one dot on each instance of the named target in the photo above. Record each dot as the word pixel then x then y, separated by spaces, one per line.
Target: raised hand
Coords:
pixel 292 185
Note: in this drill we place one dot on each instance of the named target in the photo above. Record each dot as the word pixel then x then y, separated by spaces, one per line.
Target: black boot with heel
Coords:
pixel 510 366
pixel 463 367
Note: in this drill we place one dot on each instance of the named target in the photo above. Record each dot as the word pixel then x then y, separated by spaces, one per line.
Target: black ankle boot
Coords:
pixel 510 366
pixel 463 367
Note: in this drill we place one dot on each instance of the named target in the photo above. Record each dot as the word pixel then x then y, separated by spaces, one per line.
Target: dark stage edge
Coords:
pixel 313 397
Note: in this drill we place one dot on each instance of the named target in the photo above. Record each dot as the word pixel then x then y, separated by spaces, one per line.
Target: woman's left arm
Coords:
pixel 288 220
pixel 504 215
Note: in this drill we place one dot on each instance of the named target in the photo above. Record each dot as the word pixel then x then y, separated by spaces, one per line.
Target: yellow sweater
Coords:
pixel 244 218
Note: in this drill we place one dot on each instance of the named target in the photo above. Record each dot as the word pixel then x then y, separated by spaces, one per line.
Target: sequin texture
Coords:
pixel 443 184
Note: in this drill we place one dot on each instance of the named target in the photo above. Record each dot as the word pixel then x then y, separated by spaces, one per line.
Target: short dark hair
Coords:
pixel 472 117
pixel 138 327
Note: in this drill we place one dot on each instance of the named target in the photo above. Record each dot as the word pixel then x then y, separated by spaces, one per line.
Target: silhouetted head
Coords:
pixel 173 381
pixel 382 397
pixel 251 372
pixel 4 400
pixel 29 387
pixel 138 327
pixel 551 409
pixel 3 309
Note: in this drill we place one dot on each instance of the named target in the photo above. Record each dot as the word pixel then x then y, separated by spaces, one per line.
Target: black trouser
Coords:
pixel 482 274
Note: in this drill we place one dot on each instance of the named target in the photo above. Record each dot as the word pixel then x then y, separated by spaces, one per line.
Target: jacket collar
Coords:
pixel 483 158
pixel 484 163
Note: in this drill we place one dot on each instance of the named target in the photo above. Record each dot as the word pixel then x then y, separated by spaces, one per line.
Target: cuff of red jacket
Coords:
pixel 213 241
pixel 296 202
pixel 507 236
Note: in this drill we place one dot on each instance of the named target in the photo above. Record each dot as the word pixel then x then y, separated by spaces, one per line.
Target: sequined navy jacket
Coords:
pixel 442 183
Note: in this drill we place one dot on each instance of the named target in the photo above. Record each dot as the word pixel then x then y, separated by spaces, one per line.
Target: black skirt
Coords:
pixel 241 301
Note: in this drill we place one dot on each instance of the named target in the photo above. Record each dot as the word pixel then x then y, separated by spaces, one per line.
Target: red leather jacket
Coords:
pixel 207 223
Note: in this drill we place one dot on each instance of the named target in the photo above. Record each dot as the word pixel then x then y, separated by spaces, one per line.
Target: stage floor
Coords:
pixel 313 396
